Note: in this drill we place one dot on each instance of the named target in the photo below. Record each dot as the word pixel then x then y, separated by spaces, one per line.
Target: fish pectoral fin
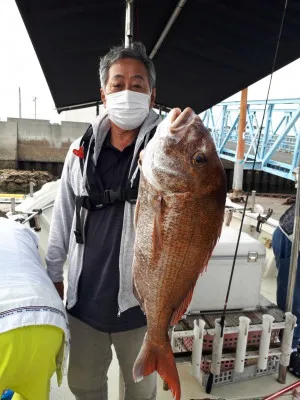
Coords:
pixel 177 315
pixel 136 295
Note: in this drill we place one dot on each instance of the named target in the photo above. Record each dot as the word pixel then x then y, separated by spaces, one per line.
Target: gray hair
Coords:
pixel 137 51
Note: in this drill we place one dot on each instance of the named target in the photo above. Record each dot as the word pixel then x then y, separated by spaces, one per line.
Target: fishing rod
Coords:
pixel 222 320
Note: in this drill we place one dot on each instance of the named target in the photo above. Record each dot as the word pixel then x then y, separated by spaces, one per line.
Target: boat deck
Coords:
pixel 191 389
pixel 253 389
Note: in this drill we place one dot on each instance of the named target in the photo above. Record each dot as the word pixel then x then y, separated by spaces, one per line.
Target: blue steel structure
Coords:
pixel 279 147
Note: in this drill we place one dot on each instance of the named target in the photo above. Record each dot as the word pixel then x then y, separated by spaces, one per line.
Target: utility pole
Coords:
pixel 20 103
pixel 34 100
pixel 240 151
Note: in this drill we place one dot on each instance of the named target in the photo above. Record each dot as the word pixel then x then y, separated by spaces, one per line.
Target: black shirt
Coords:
pixel 98 287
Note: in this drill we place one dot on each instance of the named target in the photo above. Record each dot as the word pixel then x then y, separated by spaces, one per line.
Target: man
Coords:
pixel 96 201
pixel 282 246
pixel 34 332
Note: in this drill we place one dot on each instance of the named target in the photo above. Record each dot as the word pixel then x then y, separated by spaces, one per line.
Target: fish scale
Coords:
pixel 178 219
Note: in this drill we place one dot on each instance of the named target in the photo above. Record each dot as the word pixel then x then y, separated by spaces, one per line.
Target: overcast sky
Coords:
pixel 19 67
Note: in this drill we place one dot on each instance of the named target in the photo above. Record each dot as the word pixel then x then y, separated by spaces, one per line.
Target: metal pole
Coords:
pixel 240 151
pixel 31 186
pixel 129 23
pixel 13 205
pixel 293 266
pixel 253 199
pixel 34 100
pixel 20 104
pixel 167 28
pixel 295 248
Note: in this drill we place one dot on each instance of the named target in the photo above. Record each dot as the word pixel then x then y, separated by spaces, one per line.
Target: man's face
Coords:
pixel 128 74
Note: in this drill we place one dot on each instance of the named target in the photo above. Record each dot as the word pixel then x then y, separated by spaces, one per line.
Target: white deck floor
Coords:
pixel 191 389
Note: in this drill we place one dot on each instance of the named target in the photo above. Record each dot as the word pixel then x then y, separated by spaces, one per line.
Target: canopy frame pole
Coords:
pixel 240 150
pixel 171 21
pixel 129 23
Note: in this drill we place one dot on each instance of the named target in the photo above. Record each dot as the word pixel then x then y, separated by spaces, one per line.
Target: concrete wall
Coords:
pixel 36 140
pixel 8 144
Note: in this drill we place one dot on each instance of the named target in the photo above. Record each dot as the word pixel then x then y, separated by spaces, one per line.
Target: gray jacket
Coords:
pixel 62 241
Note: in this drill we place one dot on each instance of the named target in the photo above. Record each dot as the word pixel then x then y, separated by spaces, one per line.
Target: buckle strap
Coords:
pixel 98 201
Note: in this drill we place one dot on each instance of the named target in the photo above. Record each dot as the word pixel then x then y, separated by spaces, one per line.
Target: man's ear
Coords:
pixel 153 97
pixel 103 98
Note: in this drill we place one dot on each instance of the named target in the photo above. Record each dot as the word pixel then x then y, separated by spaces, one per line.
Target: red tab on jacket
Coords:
pixel 79 152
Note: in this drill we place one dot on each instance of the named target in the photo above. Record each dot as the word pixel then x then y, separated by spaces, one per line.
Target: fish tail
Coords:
pixel 153 357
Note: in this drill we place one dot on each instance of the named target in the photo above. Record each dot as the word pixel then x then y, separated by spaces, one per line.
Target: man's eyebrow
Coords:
pixel 118 76
pixel 139 77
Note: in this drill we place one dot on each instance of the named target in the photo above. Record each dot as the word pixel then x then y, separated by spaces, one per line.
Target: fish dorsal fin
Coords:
pixel 176 317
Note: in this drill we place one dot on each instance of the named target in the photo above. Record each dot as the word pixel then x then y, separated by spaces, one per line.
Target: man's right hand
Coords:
pixel 60 288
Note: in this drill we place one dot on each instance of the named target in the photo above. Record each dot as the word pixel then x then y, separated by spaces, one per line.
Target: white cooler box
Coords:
pixel 211 287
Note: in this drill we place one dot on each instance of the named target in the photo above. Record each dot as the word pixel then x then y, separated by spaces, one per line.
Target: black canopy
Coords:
pixel 214 49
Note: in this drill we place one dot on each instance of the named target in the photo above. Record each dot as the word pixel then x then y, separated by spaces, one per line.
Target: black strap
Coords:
pixel 78 227
pixel 85 142
pixel 92 181
pixel 100 200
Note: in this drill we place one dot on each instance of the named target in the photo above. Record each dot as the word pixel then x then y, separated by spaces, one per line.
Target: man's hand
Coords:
pixel 59 286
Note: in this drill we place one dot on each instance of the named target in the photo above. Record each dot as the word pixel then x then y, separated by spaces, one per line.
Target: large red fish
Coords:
pixel 179 217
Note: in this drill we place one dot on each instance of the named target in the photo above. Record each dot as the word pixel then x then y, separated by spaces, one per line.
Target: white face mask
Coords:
pixel 127 109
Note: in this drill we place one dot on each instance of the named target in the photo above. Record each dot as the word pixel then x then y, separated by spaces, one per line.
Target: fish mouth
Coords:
pixel 180 120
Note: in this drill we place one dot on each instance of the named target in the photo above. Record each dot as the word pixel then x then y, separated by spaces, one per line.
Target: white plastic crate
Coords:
pixel 250 372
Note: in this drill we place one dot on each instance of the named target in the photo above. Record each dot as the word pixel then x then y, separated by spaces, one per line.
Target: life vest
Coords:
pixel 97 199
pixel 286 221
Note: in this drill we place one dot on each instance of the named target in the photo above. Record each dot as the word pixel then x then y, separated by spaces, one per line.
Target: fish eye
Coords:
pixel 199 159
